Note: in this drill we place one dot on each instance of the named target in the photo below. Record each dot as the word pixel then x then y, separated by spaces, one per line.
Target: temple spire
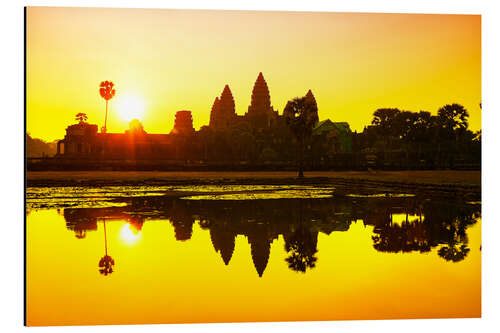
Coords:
pixel 213 112
pixel 260 112
pixel 310 97
pixel 223 113
pixel 223 242
pixel 261 100
pixel 226 103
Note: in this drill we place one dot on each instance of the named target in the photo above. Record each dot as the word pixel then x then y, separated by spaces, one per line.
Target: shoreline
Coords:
pixel 446 182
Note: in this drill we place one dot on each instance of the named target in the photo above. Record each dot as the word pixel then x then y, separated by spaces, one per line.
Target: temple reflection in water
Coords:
pixel 400 225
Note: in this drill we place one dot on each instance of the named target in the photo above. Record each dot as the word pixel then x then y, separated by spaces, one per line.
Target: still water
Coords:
pixel 132 255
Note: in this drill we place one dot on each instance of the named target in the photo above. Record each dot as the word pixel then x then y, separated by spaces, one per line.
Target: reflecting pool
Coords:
pixel 248 253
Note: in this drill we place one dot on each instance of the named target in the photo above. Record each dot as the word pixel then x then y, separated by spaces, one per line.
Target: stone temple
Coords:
pixel 260 115
pixel 261 135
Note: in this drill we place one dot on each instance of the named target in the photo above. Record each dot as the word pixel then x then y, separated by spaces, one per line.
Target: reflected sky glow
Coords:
pixel 254 260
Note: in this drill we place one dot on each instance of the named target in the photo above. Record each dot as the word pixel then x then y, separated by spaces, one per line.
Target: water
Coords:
pixel 131 255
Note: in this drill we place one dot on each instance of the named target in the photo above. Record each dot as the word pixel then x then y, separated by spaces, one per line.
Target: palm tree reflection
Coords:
pixel 106 263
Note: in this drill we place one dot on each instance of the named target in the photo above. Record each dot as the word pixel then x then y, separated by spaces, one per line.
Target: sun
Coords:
pixel 130 107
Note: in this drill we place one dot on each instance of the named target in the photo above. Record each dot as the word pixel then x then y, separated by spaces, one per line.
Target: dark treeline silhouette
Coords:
pixel 421 225
pixel 419 140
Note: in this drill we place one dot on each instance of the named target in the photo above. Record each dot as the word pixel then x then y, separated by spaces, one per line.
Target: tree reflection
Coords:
pixel 407 237
pixel 453 252
pixel 443 226
pixel 301 246
pixel 106 263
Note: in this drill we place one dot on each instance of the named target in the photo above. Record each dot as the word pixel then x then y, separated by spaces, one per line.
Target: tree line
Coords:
pixel 430 141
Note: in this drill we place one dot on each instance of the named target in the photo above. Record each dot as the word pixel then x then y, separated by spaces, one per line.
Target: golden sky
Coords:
pixel 169 60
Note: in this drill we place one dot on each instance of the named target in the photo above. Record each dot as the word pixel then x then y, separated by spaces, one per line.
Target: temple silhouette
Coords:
pixel 263 139
pixel 260 137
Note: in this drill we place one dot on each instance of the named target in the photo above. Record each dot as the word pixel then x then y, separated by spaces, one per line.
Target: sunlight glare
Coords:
pixel 130 107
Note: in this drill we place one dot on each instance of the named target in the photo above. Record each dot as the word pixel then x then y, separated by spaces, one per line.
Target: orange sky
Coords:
pixel 174 60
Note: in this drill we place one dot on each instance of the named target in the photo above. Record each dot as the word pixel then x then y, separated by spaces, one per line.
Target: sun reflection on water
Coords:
pixel 129 235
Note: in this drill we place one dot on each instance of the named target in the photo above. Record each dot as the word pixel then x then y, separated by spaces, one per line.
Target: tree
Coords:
pixel 81 117
pixel 453 117
pixel 107 92
pixel 385 120
pixel 301 115
pixel 452 122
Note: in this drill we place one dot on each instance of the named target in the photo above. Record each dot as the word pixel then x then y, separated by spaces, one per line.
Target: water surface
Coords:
pixel 131 255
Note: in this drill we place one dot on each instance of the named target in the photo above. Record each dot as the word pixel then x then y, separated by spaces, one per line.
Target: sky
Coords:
pixel 162 61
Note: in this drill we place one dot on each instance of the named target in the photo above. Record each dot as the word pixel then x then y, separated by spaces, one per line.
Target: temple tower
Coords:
pixel 260 112
pixel 223 241
pixel 214 112
pixel 183 123
pixel 310 98
pixel 260 249
pixel 223 112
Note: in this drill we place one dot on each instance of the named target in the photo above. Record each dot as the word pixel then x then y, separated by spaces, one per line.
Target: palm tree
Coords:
pixel 301 115
pixel 82 117
pixel 107 92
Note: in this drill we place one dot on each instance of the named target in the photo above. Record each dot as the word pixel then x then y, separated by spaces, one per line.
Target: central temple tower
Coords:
pixel 260 112
pixel 223 112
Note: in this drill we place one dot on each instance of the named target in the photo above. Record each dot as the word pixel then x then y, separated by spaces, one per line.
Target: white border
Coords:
pixel 11 79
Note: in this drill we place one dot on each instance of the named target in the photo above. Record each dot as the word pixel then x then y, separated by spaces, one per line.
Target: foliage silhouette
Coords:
pixel 81 117
pixel 425 141
pixel 301 115
pixel 453 253
pixel 301 246
pixel 106 265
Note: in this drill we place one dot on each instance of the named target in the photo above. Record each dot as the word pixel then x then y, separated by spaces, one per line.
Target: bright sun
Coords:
pixel 130 107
